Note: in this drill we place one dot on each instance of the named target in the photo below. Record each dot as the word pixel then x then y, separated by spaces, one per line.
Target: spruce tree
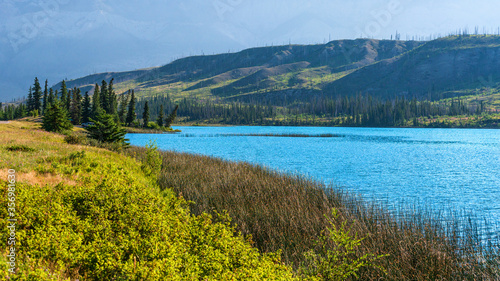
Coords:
pixel 51 98
pixel 123 107
pixel 69 98
pixel 64 95
pixel 106 130
pixel 104 96
pixel 45 96
pixel 86 108
pixel 113 103
pixel 76 107
pixel 159 121
pixel 96 102
pixel 37 95
pixel 56 119
pixel 145 115
pixel 131 110
pixel 170 119
pixel 30 100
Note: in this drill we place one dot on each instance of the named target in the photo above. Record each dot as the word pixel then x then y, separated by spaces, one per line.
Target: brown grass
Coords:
pixel 35 178
pixel 283 212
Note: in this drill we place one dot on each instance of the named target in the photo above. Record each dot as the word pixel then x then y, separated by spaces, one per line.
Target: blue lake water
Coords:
pixel 437 168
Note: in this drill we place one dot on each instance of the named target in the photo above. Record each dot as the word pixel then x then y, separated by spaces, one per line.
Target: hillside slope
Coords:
pixel 434 70
pixel 442 68
pixel 252 70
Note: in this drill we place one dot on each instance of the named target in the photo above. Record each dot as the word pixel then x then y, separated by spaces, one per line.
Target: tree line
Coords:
pixel 347 111
pixel 71 105
pixel 319 110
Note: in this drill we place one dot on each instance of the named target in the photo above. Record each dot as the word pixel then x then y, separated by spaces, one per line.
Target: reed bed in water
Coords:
pixel 288 213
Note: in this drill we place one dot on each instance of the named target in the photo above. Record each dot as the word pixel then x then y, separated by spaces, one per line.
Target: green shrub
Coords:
pixel 154 126
pixel 114 224
pixel 75 139
pixel 340 262
pixel 20 147
pixel 153 161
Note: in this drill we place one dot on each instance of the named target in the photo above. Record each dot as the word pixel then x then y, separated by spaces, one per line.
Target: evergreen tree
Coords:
pixel 123 107
pixel 113 103
pixel 159 121
pixel 69 98
pixel 51 97
pixel 76 107
pixel 45 96
pixel 104 96
pixel 131 110
pixel 37 96
pixel 64 95
pixel 145 115
pixel 30 100
pixel 56 119
pixel 96 102
pixel 170 119
pixel 106 130
pixel 86 108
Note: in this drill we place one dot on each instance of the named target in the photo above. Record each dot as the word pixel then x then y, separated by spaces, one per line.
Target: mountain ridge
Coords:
pixel 444 67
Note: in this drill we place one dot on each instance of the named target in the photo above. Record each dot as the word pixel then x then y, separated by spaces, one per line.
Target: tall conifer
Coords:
pixel 145 115
pixel 131 110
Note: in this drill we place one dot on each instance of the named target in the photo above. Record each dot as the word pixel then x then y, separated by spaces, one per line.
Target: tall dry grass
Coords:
pixel 288 213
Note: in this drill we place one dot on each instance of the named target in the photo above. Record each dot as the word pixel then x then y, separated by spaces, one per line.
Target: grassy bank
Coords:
pixel 289 213
pixel 85 213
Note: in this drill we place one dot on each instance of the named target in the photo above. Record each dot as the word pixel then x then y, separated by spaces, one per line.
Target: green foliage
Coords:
pixel 170 119
pixel 20 147
pixel 64 96
pixel 106 130
pixel 131 110
pixel 159 121
pixel 56 119
pixel 153 161
pixel 154 126
pixel 96 102
pixel 86 108
pixel 75 109
pixel 145 115
pixel 341 262
pixel 34 113
pixel 123 107
pixel 37 96
pixel 107 221
pixel 75 138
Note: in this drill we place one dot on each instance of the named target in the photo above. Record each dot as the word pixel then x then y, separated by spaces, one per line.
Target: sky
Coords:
pixel 63 39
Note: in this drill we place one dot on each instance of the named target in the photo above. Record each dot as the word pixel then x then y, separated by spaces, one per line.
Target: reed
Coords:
pixel 289 212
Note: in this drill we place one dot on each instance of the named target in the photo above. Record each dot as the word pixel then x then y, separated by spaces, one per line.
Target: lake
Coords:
pixel 441 169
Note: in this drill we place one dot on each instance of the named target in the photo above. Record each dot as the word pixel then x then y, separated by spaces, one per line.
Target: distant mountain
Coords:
pixel 257 69
pixel 382 68
pixel 437 69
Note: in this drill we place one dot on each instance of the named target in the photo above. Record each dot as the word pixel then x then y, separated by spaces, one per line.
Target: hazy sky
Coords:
pixel 57 39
